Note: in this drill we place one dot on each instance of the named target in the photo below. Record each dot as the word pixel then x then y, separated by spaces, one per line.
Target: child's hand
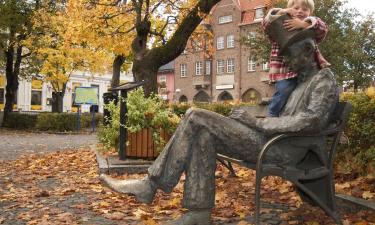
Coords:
pixel 291 11
pixel 294 24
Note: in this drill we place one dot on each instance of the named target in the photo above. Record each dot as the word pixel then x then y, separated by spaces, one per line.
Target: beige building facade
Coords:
pixel 230 71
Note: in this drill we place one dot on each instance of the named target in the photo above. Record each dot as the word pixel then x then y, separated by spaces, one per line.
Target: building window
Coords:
pixel 2 95
pixel 250 64
pixel 220 66
pixel 220 43
pixel 225 19
pixel 265 65
pixel 36 94
pixel 259 13
pixel 251 35
pixel 197 46
pixel 198 68
pixel 208 67
pixel 230 41
pixel 36 97
pixel 183 70
pixel 230 65
pixel 162 78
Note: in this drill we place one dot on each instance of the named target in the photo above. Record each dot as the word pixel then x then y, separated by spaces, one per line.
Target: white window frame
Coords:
pixel 251 64
pixel 220 66
pixel 230 41
pixel 265 65
pixel 198 68
pixel 183 70
pixel 251 35
pixel 259 13
pixel 220 42
pixel 230 65
pixel 208 67
pixel 225 19
pixel 163 78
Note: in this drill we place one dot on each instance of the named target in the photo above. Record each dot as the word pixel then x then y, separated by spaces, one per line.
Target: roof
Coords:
pixel 128 86
pixel 167 67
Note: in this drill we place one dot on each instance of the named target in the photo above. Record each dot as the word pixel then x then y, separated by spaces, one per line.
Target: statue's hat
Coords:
pixel 284 38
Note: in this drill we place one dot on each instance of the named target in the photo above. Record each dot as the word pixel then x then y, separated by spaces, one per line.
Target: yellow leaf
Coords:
pixel 368 195
pixel 104 204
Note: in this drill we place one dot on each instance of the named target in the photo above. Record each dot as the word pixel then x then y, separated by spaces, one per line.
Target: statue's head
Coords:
pixel 296 46
pixel 300 54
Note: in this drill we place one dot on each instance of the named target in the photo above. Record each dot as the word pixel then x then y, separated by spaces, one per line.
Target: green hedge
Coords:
pixel 47 121
pixel 21 121
pixel 359 153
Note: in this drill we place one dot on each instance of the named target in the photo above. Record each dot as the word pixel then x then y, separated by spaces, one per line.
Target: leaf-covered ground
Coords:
pixel 63 188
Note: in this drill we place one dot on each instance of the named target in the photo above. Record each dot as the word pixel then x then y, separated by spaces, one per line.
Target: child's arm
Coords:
pixel 271 16
pixel 319 27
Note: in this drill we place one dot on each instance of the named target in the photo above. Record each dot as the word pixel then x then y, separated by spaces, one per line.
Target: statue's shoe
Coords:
pixel 143 190
pixel 193 217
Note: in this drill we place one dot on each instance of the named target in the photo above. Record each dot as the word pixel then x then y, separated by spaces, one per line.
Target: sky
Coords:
pixel 363 6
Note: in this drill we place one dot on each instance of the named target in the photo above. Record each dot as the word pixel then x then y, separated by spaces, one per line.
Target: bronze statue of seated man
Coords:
pixel 203 134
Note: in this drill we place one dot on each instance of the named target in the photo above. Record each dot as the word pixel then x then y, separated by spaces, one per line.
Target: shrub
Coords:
pixel 21 120
pixel 180 109
pixel 56 122
pixel 151 112
pixel 360 131
pixel 47 121
pixel 86 120
pixel 109 134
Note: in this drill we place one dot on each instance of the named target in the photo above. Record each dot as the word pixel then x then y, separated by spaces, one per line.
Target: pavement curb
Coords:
pixel 102 162
pixel 113 165
pixel 358 202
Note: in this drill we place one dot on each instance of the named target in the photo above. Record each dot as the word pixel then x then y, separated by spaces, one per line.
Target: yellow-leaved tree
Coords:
pixel 59 54
pixel 106 26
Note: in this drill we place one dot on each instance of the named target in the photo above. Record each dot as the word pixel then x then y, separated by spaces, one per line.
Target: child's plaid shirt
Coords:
pixel 278 70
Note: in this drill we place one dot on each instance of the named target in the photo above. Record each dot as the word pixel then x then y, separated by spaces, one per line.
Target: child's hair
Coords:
pixel 308 3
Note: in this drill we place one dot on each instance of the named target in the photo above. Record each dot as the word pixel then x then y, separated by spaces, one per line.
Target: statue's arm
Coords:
pixel 322 99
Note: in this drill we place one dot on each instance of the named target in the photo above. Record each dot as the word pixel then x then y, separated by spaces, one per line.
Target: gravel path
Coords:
pixel 14 143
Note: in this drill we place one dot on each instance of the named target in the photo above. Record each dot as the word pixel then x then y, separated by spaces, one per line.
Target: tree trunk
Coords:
pixel 117 63
pixel 145 72
pixel 11 72
pixel 58 100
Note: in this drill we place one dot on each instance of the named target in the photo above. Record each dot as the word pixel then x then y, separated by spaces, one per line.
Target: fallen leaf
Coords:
pixel 368 195
pixel 115 216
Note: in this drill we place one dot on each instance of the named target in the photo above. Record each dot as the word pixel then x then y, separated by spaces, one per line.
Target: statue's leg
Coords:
pixel 209 134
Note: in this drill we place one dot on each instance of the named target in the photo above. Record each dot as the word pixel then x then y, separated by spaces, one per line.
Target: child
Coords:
pixel 286 80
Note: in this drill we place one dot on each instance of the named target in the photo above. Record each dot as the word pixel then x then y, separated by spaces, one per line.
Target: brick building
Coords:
pixel 165 78
pixel 230 72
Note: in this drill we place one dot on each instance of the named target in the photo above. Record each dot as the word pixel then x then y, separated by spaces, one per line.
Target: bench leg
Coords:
pixel 258 182
pixel 321 192
pixel 229 166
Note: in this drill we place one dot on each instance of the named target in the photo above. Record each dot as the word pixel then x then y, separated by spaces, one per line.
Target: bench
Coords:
pixel 314 184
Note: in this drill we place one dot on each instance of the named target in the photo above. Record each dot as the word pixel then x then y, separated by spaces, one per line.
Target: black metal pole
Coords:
pixel 93 118
pixel 123 130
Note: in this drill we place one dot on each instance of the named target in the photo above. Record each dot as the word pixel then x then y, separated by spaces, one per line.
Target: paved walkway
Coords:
pixel 16 143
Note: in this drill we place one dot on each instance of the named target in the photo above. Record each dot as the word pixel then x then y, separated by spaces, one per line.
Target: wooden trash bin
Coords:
pixel 142 146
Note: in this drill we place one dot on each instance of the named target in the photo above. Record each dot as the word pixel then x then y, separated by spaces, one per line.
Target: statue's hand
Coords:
pixel 243 116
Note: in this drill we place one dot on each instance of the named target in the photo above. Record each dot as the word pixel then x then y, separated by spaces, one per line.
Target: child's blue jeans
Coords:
pixel 283 89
